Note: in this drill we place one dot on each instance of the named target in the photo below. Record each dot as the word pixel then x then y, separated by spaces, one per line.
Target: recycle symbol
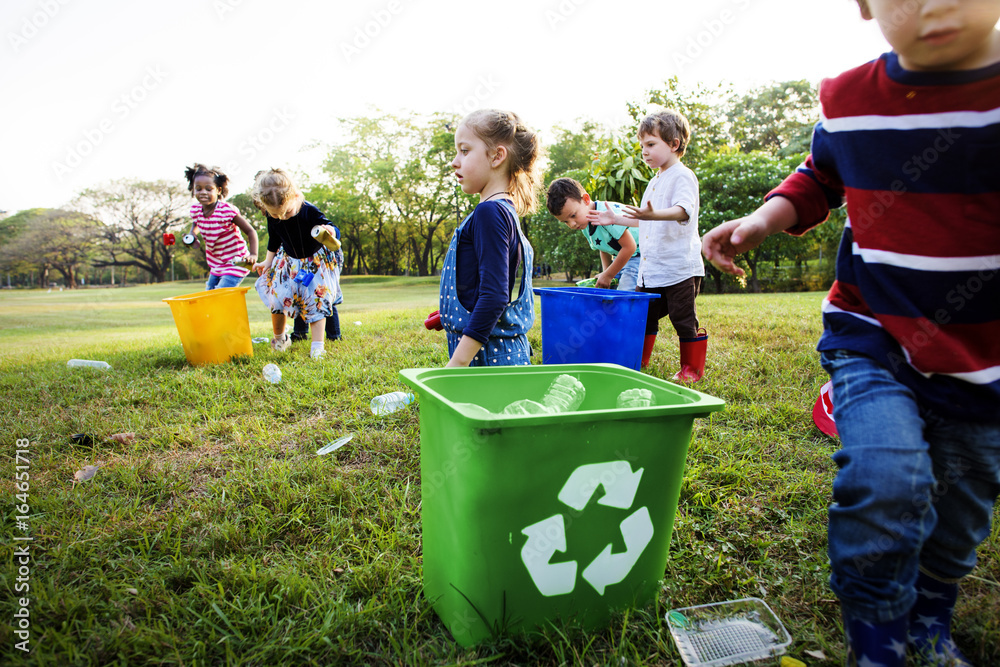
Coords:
pixel 548 536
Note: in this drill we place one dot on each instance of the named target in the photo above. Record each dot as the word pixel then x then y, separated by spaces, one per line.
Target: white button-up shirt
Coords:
pixel 671 250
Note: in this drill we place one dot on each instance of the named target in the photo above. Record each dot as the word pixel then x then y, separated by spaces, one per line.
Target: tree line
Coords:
pixel 391 190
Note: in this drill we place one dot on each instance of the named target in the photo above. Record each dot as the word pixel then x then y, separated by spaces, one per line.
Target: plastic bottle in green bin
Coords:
pixel 636 398
pixel 565 394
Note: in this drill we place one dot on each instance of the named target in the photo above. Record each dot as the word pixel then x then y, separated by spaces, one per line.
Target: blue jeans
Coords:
pixel 628 277
pixel 223 281
pixel 914 489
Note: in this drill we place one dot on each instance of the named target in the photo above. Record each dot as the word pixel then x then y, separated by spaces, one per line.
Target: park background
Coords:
pixel 216 535
pixel 116 100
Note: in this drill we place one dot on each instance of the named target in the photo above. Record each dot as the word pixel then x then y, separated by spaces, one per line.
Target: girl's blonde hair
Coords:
pixel 273 188
pixel 505 128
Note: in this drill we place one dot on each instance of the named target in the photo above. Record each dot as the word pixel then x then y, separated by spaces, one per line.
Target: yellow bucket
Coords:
pixel 214 325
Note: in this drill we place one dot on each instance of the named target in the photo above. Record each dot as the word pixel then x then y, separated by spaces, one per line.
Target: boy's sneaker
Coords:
pixel 281 343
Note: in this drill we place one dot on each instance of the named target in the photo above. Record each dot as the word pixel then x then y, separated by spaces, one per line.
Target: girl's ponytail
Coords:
pixel 505 128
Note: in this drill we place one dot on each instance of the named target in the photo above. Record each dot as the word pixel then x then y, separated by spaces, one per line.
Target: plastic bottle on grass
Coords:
pixel 88 363
pixel 636 398
pixel 389 403
pixel 272 373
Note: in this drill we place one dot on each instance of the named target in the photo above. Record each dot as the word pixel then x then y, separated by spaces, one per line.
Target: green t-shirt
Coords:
pixel 605 237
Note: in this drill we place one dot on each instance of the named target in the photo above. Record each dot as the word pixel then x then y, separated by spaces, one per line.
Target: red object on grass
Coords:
pixel 823 411
pixel 433 321
pixel 168 239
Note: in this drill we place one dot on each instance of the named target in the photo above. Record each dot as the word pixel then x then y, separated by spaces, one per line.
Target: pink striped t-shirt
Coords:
pixel 222 239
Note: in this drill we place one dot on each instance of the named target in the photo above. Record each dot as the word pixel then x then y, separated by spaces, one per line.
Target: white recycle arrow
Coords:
pixel 617 478
pixel 609 568
pixel 545 538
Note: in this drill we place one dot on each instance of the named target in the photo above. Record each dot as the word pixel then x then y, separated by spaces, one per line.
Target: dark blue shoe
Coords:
pixel 876 644
pixel 930 622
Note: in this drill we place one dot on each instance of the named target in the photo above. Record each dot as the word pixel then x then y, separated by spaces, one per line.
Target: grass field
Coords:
pixel 219 537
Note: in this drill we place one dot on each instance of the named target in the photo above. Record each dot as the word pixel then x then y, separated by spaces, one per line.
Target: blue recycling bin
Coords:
pixel 588 325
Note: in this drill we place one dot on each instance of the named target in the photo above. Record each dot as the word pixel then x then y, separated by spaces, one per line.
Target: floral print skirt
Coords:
pixel 282 294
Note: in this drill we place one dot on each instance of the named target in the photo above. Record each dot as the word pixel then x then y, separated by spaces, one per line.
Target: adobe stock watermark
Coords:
pixel 483 91
pixel 121 108
pixel 900 15
pixel 254 144
pixel 22 559
pixel 958 297
pixel 914 168
pixel 558 14
pixel 370 30
pixel 889 540
pixel 32 24
pixel 711 30
pixel 579 334
pixel 223 7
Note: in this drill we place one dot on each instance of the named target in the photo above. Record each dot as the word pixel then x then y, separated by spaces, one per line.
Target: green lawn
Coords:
pixel 219 537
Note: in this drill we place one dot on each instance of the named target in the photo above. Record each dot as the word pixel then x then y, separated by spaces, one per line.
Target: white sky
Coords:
pixel 104 89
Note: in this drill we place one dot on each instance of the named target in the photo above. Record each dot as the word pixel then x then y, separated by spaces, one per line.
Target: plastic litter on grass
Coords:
pixel 335 445
pixel 727 633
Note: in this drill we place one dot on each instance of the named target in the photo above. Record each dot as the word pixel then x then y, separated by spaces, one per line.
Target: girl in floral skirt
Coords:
pixel 300 277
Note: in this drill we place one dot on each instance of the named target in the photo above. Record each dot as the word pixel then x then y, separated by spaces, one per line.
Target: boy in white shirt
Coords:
pixel 667 219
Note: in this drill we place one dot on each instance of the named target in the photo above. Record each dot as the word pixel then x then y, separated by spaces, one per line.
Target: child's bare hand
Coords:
pixel 637 213
pixel 259 267
pixel 721 245
pixel 605 217
pixel 603 281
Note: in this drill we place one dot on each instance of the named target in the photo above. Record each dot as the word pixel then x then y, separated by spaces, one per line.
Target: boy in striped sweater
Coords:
pixel 912 324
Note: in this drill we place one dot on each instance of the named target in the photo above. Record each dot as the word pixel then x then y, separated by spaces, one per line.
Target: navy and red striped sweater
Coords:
pixel 916 155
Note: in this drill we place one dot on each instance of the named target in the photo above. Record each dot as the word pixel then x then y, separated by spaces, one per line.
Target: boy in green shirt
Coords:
pixel 570 204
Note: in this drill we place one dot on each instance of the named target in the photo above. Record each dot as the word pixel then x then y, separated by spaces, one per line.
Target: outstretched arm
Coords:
pixel 721 245
pixel 251 233
pixel 677 213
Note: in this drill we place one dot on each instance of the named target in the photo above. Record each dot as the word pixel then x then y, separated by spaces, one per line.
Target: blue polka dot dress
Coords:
pixel 508 342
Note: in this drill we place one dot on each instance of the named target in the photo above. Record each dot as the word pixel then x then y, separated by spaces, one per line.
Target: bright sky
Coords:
pixel 104 89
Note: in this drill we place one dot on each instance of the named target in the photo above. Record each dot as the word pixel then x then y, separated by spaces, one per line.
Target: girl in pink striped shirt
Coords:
pixel 219 224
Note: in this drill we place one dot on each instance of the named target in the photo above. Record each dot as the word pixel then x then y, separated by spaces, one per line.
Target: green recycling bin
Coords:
pixel 534 518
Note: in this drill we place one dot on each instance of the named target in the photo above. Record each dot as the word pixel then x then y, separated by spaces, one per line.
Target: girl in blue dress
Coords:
pixel 486 302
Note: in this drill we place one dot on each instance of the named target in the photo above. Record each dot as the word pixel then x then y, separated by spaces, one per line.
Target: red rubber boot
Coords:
pixel 693 352
pixel 647 349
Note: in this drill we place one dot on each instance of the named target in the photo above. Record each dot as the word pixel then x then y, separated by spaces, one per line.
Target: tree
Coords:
pixel 777 118
pixel 617 172
pixel 343 208
pixel 13 261
pixel 399 169
pixel 732 185
pixel 572 149
pixel 136 214
pixel 701 106
pixel 51 239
